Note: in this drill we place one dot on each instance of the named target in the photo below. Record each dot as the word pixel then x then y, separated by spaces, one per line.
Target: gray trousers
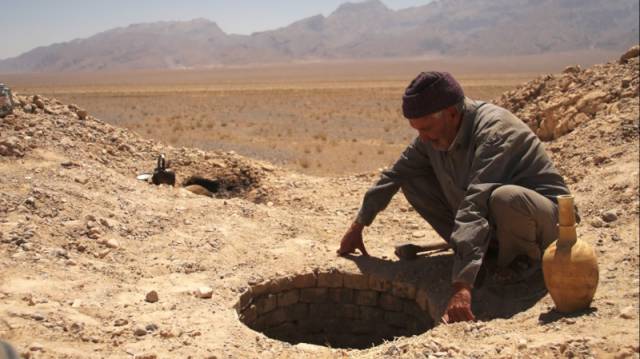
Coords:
pixel 523 221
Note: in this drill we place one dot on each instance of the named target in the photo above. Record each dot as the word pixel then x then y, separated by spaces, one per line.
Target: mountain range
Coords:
pixel 354 31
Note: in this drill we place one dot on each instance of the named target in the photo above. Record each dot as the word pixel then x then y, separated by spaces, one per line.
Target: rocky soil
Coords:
pixel 98 264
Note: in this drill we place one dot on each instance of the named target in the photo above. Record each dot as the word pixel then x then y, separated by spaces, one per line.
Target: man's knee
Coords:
pixel 506 199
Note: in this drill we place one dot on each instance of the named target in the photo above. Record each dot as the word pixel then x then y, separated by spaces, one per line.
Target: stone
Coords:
pixel 356 281
pixel 266 303
pixel 288 298
pixel 313 295
pixel 609 216
pixel 39 103
pixel 597 222
pixel 151 297
pixel 139 331
pixel 590 102
pixel 276 317
pixel 341 295
pixel 249 315
pixel 36 347
pixel 151 327
pixel 282 284
pixel 572 69
pixel 306 280
pixel 332 279
pixel 522 344
pixel 629 54
pixel 246 298
pixel 204 292
pixel 120 322
pixel 111 243
pixel 627 312
pixel 82 114
pixel 145 356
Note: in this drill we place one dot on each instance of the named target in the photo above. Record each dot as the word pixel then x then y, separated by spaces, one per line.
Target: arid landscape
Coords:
pixel 98 264
pixel 316 118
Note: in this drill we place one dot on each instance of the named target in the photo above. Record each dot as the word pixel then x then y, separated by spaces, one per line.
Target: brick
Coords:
pixel 313 295
pixel 266 303
pixel 307 280
pixel 422 299
pixel 348 311
pixel 245 300
pixel 249 315
pixel 371 313
pixel 379 284
pixel 276 317
pixel 341 295
pixel 356 281
pixel 333 279
pixel 282 284
pixel 404 290
pixel 390 303
pixel 262 288
pixel 321 311
pixel 396 319
pixel 299 312
pixel 366 297
pixel 288 298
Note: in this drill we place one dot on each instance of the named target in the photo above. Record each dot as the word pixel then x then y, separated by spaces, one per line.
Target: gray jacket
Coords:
pixel 492 148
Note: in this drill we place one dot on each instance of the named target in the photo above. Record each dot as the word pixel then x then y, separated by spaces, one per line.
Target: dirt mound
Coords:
pixel 40 122
pixel 554 105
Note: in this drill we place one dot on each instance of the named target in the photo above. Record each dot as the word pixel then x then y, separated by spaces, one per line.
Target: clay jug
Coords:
pixel 569 265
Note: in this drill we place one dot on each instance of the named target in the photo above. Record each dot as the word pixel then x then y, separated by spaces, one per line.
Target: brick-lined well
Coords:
pixel 336 309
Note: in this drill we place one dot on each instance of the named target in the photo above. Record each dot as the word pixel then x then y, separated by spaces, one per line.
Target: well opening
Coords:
pixel 335 309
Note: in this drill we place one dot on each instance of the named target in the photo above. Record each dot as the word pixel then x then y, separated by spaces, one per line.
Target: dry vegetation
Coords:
pixel 309 127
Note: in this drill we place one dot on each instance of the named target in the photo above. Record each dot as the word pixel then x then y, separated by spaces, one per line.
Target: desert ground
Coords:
pixel 98 264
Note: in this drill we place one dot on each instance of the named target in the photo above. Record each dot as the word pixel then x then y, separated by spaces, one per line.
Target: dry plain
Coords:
pixel 317 118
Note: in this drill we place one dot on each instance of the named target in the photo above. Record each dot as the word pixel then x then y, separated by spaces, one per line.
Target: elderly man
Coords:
pixel 477 174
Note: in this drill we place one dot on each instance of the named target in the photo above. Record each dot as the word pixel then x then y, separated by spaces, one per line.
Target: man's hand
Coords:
pixel 459 307
pixel 352 240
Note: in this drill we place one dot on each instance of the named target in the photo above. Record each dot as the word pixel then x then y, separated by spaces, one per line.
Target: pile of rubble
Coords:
pixel 553 105
pixel 40 122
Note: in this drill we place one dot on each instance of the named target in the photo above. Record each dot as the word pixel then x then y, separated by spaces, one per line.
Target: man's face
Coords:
pixel 440 128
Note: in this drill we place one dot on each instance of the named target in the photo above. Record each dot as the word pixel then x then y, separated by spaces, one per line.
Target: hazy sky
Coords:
pixel 26 24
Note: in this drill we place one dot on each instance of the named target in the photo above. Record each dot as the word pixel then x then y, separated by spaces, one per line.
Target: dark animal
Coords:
pixel 162 174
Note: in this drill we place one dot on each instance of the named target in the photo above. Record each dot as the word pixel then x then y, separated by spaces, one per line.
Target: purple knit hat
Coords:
pixel 430 92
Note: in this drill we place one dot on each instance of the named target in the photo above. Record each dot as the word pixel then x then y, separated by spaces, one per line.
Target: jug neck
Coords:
pixel 566 221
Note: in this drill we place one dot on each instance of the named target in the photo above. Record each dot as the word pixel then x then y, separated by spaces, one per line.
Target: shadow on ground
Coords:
pixel 490 300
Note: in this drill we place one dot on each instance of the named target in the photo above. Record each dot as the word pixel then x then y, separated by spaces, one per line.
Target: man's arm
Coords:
pixel 412 162
pixel 498 148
